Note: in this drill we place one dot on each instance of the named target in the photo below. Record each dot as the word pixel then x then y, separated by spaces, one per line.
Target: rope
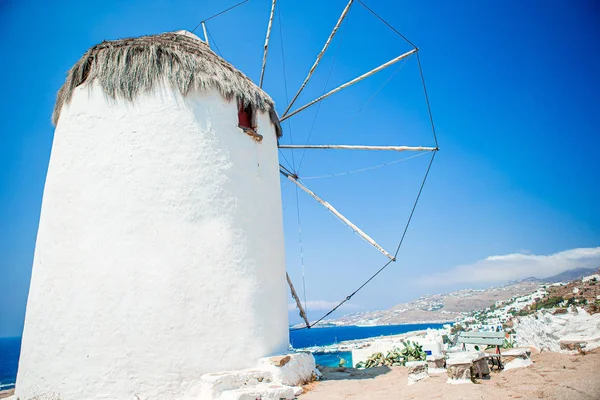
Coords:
pixel 217 14
pixel 384 84
pixel 427 100
pixel 415 205
pixel 387 263
pixel 285 80
pixel 363 169
pixel 301 249
pixel 420 188
pixel 389 26
pixel 324 90
pixel 212 40
pixel 285 158
pixel 366 103
pixel 293 164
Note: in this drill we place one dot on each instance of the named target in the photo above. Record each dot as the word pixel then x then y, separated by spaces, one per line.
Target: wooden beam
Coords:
pixel 352 82
pixel 335 212
pixel 205 34
pixel 312 69
pixel 352 147
pixel 266 49
pixel 298 303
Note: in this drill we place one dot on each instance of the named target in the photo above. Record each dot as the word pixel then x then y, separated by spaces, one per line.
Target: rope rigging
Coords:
pixel 291 171
pixel 294 176
pixel 312 128
pixel 355 171
pixel 219 13
pixel 388 262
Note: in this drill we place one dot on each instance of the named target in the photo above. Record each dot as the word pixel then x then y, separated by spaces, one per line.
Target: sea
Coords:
pixel 10 348
pixel 331 335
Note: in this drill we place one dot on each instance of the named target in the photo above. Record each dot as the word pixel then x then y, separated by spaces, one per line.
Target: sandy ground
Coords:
pixel 552 376
pixel 5 393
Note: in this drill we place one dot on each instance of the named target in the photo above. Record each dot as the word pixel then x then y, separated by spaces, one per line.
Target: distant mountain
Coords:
pixel 453 306
pixel 569 275
pixel 438 307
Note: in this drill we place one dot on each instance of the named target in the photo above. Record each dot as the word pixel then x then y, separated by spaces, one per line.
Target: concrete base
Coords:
pixel 459 371
pixel 275 377
pixel 516 358
pixel 436 361
pixel 417 371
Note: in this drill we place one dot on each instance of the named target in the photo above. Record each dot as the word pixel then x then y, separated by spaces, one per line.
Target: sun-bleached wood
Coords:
pixel 312 69
pixel 349 83
pixel 335 212
pixel 356 147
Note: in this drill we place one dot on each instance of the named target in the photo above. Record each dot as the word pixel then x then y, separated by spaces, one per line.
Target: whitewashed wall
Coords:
pixel 160 251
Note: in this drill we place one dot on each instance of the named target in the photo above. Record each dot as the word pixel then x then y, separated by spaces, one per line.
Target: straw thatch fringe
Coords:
pixel 125 68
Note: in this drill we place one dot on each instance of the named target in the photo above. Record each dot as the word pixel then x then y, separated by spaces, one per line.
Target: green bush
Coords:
pixel 411 351
pixel 550 302
pixel 456 328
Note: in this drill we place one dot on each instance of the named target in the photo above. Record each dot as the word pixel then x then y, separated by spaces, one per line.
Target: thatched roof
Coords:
pixel 127 67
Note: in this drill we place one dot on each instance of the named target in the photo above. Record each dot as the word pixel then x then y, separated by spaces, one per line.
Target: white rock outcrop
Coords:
pixel 417 371
pixel 545 331
pixel 276 377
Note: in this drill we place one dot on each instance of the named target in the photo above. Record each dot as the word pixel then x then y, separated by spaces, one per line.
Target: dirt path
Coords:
pixel 553 376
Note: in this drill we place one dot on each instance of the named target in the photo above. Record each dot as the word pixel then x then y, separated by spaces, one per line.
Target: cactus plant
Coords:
pixel 411 351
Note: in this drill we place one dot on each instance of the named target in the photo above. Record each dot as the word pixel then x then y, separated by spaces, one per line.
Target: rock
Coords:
pixel 459 370
pixel 263 391
pixel 273 378
pixel 436 361
pixel 298 390
pixel 557 311
pixel 518 363
pixel 214 384
pixel 513 354
pixel 579 343
pixel 279 361
pixel 417 370
pixel 481 368
pixel 571 345
pixel 292 369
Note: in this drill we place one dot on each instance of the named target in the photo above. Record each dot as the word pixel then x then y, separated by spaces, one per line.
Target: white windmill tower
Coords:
pixel 160 250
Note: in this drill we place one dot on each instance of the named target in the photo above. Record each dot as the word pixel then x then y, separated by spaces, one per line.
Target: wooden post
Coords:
pixel 205 34
pixel 335 212
pixel 352 82
pixel 298 303
pixel 312 69
pixel 266 49
pixel 353 147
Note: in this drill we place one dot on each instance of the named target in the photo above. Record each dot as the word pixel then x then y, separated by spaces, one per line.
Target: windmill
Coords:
pixel 291 111
pixel 160 250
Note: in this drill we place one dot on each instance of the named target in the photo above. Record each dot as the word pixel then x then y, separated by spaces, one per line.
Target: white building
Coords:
pixel 160 252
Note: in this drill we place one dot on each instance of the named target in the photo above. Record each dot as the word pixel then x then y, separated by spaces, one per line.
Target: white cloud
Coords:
pixel 518 266
pixel 323 305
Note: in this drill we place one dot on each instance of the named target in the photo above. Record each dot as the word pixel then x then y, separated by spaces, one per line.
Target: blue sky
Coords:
pixel 514 94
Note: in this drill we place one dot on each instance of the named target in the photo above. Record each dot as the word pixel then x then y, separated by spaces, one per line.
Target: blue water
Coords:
pixel 9 360
pixel 11 347
pixel 334 359
pixel 326 336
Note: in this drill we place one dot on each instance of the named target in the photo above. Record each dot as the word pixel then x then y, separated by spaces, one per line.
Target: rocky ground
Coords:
pixel 552 376
pixel 5 393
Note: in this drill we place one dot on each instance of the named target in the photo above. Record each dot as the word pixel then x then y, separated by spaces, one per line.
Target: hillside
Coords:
pixel 451 306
